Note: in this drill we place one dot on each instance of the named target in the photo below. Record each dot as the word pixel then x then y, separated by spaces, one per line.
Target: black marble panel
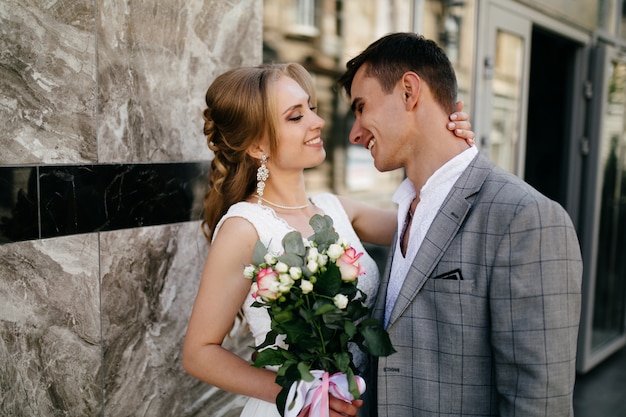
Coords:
pixel 18 204
pixel 50 201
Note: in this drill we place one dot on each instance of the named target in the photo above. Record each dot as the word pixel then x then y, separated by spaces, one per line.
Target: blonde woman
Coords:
pixel 262 121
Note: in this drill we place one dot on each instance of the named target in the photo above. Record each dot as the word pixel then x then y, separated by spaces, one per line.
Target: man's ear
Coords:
pixel 411 85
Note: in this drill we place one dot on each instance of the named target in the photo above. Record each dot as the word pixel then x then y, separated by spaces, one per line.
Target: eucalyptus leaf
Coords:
pixel 321 222
pixel 292 243
pixel 292 259
pixel 325 234
pixel 260 251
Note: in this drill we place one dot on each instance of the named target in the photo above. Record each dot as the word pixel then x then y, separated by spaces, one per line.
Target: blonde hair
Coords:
pixel 241 111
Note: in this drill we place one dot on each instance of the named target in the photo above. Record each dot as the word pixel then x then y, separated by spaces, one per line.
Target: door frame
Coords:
pixel 493 17
pixel 601 59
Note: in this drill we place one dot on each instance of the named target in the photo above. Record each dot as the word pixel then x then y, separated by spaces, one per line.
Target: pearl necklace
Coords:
pixel 281 206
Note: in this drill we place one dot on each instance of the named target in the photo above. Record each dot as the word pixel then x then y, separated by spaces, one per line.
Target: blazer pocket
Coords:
pixel 452 275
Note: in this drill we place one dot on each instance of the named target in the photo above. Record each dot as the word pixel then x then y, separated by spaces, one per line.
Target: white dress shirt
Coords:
pixel 432 195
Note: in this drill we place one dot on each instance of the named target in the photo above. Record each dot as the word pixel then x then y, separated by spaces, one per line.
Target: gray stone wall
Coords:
pixel 92 324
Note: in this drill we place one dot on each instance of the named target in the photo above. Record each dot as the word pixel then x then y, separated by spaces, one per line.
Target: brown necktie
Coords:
pixel 406 229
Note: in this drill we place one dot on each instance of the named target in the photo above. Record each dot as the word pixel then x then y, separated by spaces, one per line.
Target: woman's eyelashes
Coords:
pixel 300 116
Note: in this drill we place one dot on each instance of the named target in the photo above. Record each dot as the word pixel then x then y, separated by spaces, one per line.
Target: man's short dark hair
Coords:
pixel 391 56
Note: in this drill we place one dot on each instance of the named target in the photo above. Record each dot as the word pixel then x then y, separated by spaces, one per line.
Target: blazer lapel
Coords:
pixel 444 228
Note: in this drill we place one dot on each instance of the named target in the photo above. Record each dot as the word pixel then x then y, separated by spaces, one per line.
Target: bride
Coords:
pixel 261 124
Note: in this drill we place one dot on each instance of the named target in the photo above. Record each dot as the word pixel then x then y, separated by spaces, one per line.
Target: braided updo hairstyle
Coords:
pixel 240 112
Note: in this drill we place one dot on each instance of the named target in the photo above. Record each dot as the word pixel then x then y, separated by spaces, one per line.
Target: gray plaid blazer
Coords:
pixel 486 322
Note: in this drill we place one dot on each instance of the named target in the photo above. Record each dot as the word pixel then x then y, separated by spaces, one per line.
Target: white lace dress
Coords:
pixel 271 230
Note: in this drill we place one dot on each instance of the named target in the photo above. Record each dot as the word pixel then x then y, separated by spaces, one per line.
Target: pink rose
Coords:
pixel 267 283
pixel 349 265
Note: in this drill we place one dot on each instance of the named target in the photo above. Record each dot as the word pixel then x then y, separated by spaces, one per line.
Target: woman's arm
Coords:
pixel 222 291
pixel 371 224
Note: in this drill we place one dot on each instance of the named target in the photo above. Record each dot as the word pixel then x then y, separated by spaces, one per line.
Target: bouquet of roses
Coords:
pixel 310 292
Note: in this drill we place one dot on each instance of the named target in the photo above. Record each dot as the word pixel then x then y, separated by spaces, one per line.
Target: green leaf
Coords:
pixel 290 372
pixel 352 386
pixel 325 234
pixel 329 283
pixel 376 339
pixel 269 357
pixel 270 340
pixel 281 400
pixel 349 328
pixel 303 368
pixel 259 253
pixel 282 316
pixel 323 308
pixel 334 319
pixel 343 361
pixel 321 223
pixel 291 259
pixel 292 242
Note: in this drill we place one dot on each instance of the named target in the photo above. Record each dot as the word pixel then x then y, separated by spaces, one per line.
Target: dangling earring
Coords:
pixel 262 174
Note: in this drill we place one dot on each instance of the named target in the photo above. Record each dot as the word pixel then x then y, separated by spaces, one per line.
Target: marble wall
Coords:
pixel 102 172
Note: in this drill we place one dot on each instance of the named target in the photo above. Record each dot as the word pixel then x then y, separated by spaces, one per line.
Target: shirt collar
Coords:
pixel 405 193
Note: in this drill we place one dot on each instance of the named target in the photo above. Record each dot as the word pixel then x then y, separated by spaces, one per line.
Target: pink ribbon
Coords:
pixel 312 397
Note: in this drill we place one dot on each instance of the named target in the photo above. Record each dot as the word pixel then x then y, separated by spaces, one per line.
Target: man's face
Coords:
pixel 380 121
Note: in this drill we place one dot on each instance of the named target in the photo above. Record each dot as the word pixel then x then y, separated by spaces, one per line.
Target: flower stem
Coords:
pixel 317 327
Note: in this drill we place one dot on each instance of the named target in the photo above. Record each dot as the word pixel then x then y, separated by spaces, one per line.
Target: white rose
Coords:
pixel 306 286
pixel 312 254
pixel 322 260
pixel 341 301
pixel 285 279
pixel 281 267
pixel 334 251
pixel 248 271
pixel 312 266
pixel 270 258
pixel 295 272
pixel 343 242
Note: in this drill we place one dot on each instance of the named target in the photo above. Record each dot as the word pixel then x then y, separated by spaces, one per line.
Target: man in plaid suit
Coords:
pixel 481 294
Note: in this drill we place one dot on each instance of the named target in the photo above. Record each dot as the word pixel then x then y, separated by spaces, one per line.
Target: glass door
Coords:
pixel 503 87
pixel 603 329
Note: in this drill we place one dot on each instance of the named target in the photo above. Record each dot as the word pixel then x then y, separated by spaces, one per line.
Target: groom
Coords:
pixel 481 294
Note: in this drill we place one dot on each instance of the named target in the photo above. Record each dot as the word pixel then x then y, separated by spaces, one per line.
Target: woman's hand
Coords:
pixel 340 408
pixel 459 124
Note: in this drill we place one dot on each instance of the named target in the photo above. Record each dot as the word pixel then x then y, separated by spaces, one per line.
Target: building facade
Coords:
pixel 543 82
